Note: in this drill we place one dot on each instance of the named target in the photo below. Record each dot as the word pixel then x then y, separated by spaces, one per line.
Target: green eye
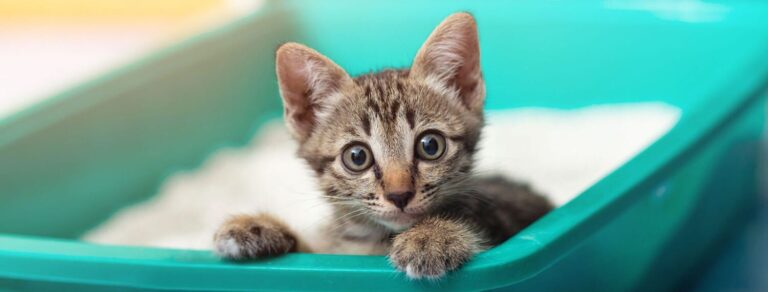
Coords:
pixel 357 157
pixel 430 146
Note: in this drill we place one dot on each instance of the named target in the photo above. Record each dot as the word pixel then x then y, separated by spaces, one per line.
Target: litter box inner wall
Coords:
pixel 67 177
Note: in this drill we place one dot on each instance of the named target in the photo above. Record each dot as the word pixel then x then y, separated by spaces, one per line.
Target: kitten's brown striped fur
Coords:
pixel 449 214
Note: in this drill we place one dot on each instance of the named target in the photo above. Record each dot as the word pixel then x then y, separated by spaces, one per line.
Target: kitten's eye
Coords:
pixel 430 146
pixel 357 157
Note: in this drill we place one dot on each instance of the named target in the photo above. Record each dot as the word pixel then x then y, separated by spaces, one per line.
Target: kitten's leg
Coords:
pixel 486 218
pixel 245 237
pixel 433 247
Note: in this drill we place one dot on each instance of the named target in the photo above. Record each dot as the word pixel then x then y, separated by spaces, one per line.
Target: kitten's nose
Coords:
pixel 400 200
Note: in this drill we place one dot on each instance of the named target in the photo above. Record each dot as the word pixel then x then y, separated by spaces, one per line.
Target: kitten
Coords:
pixel 393 152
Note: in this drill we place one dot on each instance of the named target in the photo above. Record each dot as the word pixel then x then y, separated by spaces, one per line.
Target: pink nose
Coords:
pixel 400 200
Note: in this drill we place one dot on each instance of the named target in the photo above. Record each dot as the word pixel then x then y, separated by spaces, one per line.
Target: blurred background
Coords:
pixel 50 48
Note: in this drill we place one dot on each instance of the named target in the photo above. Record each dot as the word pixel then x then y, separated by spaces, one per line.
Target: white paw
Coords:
pixel 415 274
pixel 228 248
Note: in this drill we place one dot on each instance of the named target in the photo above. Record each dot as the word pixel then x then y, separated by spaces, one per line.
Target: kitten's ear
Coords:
pixel 308 83
pixel 451 58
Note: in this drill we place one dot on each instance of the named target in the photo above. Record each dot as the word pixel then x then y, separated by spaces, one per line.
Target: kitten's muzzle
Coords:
pixel 400 200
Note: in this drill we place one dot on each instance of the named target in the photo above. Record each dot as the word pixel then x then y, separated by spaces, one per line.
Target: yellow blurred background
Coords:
pixel 47 46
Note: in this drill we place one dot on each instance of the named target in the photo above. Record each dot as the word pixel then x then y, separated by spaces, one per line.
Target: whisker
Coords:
pixel 342 219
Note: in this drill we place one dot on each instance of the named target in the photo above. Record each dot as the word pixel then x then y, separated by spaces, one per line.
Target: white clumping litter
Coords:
pixel 558 152
pixel 563 152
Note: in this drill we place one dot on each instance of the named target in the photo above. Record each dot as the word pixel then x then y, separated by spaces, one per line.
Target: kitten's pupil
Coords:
pixel 358 156
pixel 430 145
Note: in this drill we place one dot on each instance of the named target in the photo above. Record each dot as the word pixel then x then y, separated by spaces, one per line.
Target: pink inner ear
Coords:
pixel 293 88
pixel 470 83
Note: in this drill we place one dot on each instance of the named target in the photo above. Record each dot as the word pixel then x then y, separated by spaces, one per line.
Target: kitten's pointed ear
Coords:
pixel 308 84
pixel 451 58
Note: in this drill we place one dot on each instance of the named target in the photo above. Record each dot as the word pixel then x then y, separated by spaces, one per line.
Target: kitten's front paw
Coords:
pixel 246 237
pixel 432 248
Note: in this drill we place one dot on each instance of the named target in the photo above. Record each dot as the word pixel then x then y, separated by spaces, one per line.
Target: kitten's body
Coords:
pixel 393 152
pixel 497 209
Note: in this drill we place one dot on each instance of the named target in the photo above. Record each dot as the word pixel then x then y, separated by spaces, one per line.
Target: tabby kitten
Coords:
pixel 393 152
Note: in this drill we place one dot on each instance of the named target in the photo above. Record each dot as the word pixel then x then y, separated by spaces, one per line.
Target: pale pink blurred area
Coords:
pixel 47 47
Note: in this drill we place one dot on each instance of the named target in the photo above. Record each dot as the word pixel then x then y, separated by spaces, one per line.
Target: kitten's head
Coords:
pixel 389 146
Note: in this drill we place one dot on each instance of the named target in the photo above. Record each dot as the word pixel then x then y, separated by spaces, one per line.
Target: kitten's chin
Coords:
pixel 398 222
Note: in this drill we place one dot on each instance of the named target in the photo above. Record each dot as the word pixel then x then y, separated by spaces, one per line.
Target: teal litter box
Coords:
pixel 68 163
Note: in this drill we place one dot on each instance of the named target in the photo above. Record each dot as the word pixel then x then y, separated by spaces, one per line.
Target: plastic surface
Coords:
pixel 67 164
